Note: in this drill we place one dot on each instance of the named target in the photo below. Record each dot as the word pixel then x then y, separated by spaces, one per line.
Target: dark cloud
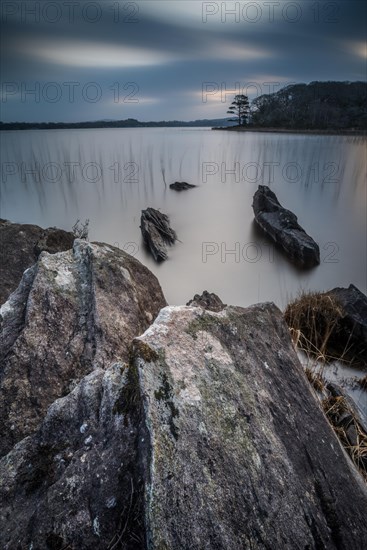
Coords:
pixel 163 54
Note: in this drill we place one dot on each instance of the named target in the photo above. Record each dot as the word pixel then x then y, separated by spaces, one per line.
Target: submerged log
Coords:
pixel 181 186
pixel 157 233
pixel 282 226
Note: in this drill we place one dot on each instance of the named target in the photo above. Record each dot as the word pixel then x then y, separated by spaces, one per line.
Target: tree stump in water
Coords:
pixel 157 233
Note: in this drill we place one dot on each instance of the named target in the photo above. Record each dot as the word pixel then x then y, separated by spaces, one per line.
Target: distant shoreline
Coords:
pixel 96 124
pixel 7 127
pixel 330 132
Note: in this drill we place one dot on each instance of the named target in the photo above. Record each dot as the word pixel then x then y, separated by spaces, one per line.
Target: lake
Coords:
pixel 54 177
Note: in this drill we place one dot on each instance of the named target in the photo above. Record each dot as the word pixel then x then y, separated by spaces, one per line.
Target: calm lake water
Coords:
pixel 52 178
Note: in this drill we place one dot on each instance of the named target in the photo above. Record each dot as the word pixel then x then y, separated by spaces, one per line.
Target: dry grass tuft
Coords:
pixel 316 325
pixel 314 320
pixel 316 379
pixel 349 430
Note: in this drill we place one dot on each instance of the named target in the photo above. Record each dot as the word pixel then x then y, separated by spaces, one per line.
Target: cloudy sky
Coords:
pixel 168 59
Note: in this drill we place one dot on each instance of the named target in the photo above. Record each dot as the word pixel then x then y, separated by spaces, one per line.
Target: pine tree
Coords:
pixel 240 109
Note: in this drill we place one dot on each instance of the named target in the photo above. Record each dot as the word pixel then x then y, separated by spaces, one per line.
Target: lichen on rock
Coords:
pixel 73 312
pixel 236 461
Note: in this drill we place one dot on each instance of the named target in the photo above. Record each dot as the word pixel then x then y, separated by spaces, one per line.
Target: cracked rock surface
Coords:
pixel 74 483
pixel 69 472
pixel 128 424
pixel 241 454
pixel 73 312
pixel 21 244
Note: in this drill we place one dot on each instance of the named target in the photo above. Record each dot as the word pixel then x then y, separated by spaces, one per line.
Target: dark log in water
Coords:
pixel 157 233
pixel 282 226
pixel 181 186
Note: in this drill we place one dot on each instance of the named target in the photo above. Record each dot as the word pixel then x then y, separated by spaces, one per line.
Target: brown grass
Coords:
pixel 316 379
pixel 349 430
pixel 314 321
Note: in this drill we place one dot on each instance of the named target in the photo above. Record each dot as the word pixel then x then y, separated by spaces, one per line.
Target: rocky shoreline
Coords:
pixel 127 423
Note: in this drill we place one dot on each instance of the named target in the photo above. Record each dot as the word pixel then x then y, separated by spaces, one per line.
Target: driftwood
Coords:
pixel 181 186
pixel 157 233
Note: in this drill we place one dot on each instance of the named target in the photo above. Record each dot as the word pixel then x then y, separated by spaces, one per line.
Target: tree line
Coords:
pixel 318 105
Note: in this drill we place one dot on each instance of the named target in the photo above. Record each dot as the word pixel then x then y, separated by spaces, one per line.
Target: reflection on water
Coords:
pixel 109 175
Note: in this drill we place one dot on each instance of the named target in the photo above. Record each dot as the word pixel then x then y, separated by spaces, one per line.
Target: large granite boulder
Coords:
pixel 75 483
pixel 240 453
pixel 73 312
pixel 283 228
pixel 21 244
pixel 202 433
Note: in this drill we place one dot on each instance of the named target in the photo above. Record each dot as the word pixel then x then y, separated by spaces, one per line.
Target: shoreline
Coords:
pixel 269 130
pixel 322 132
pixel 339 132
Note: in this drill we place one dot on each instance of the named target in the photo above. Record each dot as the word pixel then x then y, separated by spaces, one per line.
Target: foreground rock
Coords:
pixel 157 233
pixel 203 434
pixel 75 482
pixel 240 454
pixel 73 312
pixel 21 244
pixel 207 300
pixel 181 186
pixel 351 332
pixel 282 226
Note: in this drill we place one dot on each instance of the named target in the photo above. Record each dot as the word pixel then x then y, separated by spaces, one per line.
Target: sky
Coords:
pixel 69 61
